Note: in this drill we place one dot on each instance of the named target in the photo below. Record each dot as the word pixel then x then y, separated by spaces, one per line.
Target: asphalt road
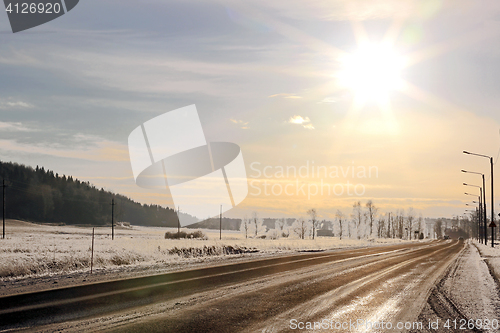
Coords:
pixel 362 286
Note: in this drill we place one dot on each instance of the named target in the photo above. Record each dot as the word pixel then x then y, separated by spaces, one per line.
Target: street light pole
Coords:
pixel 484 226
pixel 485 220
pixel 492 197
pixel 492 207
pixel 480 215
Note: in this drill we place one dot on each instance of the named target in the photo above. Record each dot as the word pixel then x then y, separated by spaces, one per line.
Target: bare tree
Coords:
pixel 357 216
pixel 314 220
pixel 400 222
pixel 285 228
pixel 257 226
pixel 278 226
pixel 300 227
pixel 371 214
pixel 380 227
pixel 245 226
pixel 438 228
pixel 340 217
pixel 255 222
pixel 410 218
pixel 389 226
pixel 420 221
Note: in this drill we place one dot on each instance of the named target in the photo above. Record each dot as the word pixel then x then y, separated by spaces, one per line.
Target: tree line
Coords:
pixel 364 222
pixel 39 195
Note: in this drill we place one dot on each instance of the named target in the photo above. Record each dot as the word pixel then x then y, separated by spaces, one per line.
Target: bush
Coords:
pixel 177 235
pixel 204 251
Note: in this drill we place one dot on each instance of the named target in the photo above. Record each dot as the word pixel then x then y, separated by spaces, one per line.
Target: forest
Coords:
pixel 39 195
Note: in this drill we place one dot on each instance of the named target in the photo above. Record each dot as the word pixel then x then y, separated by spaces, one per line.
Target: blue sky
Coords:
pixel 72 90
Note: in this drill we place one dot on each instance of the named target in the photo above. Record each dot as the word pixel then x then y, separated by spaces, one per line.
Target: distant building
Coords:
pixel 324 233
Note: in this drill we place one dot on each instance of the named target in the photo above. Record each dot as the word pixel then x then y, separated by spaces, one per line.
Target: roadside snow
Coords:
pixel 491 257
pixel 468 294
pixel 471 287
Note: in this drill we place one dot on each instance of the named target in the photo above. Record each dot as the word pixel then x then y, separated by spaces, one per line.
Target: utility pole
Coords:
pixel 113 219
pixel 178 224
pixel 220 223
pixel 92 255
pixel 3 208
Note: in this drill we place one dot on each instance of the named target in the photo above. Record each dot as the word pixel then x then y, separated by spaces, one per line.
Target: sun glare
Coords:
pixel 371 73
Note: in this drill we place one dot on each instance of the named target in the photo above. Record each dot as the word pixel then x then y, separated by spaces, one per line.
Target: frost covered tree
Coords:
pixel 272 234
pixel 313 214
pixel 286 228
pixel 281 227
pixel 380 227
pixel 257 226
pixel 410 218
pixel 340 218
pixel 371 215
pixel 438 228
pixel 420 222
pixel 300 227
pixel 245 226
pixel 357 216
pixel 390 226
pixel 400 215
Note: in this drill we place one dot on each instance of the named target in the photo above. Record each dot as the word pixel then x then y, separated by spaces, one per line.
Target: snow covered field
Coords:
pixel 36 250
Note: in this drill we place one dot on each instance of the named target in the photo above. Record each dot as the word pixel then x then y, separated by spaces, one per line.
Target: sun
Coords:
pixel 371 73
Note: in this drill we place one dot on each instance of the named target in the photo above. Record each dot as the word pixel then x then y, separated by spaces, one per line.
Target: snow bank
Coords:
pixel 491 256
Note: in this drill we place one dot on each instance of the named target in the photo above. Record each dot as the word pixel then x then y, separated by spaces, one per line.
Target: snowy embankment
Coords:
pixel 468 293
pixel 491 256
pixel 51 252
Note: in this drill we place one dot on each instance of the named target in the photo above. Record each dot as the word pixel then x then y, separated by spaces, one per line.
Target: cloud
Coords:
pixel 11 104
pixel 145 72
pixel 284 95
pixel 341 10
pixel 241 123
pixel 100 151
pixel 328 100
pixel 299 120
pixel 14 127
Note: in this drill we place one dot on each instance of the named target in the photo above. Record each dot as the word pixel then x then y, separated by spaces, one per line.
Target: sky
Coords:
pixel 285 80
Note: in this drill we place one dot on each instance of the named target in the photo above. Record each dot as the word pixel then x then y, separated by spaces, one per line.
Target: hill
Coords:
pixel 39 195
